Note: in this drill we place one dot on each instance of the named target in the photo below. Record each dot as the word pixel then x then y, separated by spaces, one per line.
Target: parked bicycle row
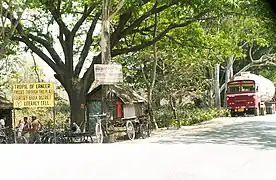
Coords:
pixel 32 132
pixel 46 136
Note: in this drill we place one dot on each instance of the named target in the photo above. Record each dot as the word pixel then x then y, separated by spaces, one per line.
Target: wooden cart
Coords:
pixel 127 112
pixel 134 127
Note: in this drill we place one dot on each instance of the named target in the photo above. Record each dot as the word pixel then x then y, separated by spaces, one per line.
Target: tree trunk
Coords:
pixel 150 109
pixel 173 106
pixel 216 88
pixel 228 76
pixel 211 97
pixel 154 72
pixel 77 105
pixel 151 81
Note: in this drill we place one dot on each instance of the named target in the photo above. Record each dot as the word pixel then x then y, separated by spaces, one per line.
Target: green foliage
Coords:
pixel 23 72
pixel 188 116
pixel 192 37
pixel 266 71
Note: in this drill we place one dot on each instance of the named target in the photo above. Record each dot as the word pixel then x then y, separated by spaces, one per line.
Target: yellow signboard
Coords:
pixel 33 95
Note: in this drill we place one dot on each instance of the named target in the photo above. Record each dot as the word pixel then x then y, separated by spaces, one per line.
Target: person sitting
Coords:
pixel 2 123
pixel 75 128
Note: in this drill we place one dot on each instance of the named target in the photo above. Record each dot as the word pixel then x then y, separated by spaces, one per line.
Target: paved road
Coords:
pixel 255 132
pixel 222 149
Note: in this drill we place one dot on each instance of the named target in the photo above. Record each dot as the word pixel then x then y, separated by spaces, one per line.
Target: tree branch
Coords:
pixel 138 21
pixel 118 7
pixel 254 63
pixel 117 52
pixel 35 67
pixel 122 22
pixel 87 45
pixel 88 76
pixel 49 48
pixel 144 76
pixel 85 14
pixel 182 44
pixel 63 29
pixel 39 52
pixel 57 16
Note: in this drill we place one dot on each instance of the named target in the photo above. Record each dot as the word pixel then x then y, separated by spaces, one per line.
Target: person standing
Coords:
pixel 20 127
pixel 35 127
pixel 26 128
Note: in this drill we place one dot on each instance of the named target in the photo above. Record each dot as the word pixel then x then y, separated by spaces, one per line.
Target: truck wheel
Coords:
pixel 257 112
pixel 233 114
pixel 272 109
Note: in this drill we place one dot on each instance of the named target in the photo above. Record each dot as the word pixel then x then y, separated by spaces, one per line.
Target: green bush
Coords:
pixel 188 116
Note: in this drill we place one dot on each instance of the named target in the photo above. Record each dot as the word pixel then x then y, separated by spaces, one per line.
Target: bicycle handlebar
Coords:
pixel 100 115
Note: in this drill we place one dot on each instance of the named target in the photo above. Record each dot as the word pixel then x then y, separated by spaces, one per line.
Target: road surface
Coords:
pixel 255 132
pixel 222 149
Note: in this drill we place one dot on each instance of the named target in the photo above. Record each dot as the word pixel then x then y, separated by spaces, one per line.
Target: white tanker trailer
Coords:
pixel 250 93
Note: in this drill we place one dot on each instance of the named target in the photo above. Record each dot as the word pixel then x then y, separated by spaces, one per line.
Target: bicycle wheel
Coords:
pixel 99 133
pixel 143 130
pixel 38 141
pixel 21 140
pixel 3 141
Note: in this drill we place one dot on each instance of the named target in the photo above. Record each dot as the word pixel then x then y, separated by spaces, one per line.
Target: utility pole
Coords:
pixel 105 43
pixel 105 47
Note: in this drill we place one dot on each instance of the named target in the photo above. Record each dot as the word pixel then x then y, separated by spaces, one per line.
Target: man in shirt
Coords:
pixel 35 127
pixel 26 128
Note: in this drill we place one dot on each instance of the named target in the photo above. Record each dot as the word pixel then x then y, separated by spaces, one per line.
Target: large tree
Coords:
pixel 131 31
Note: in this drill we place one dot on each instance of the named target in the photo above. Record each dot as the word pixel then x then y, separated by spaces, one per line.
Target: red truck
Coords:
pixel 250 94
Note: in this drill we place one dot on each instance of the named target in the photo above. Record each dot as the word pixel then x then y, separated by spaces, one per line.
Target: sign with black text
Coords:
pixel 108 73
pixel 33 95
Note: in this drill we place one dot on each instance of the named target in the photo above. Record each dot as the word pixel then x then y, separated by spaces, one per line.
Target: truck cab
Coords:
pixel 243 97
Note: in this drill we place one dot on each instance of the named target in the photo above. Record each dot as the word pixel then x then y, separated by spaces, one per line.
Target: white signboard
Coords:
pixel 108 73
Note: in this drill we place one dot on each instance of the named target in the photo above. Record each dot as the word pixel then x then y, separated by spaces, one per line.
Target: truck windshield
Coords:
pixel 248 88
pixel 233 88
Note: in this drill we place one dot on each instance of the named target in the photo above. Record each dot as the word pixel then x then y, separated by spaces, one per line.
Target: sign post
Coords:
pixel 34 95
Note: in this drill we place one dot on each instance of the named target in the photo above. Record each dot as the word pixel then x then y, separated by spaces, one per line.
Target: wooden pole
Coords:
pixel 14 132
pixel 105 48
pixel 54 118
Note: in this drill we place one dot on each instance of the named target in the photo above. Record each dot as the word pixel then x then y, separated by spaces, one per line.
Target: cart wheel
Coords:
pixel 143 131
pixel 99 133
pixel 3 141
pixel 21 140
pixel 130 130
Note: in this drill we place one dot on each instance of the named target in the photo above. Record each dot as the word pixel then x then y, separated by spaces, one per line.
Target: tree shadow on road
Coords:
pixel 257 134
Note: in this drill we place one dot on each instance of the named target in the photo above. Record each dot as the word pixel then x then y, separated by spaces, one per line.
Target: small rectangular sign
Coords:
pixel 108 73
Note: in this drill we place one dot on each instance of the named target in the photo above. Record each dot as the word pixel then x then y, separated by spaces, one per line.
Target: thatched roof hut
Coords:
pixel 127 103
pixel 125 93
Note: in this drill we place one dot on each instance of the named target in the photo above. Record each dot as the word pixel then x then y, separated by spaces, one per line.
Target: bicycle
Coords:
pixel 3 137
pixel 102 126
